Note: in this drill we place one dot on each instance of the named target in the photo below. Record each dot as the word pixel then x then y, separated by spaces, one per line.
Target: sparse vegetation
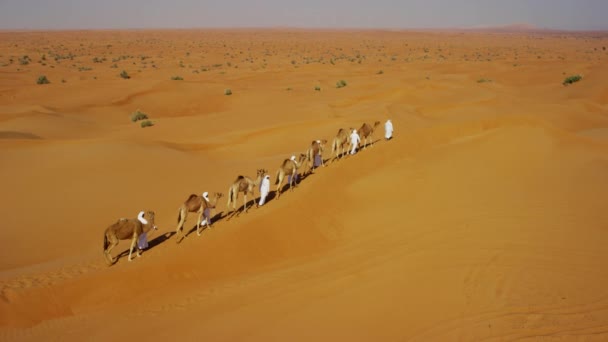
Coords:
pixel 572 79
pixel 341 84
pixel 484 80
pixel 42 80
pixel 317 88
pixel 138 115
pixel 124 75
pixel 227 92
pixel 146 123
pixel 177 78
pixel 25 60
pixel 380 72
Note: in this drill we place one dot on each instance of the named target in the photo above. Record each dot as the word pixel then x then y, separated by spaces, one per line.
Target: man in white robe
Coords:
pixel 264 189
pixel 354 141
pixel 207 212
pixel 388 130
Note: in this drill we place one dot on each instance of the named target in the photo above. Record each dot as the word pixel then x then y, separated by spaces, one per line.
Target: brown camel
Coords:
pixel 366 132
pixel 125 229
pixel 316 149
pixel 341 143
pixel 245 185
pixel 289 167
pixel 195 204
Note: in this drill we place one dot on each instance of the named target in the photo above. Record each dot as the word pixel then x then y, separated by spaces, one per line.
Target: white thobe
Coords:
pixel 354 141
pixel 264 189
pixel 388 129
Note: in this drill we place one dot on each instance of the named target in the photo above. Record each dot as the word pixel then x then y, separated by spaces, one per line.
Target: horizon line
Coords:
pixel 511 28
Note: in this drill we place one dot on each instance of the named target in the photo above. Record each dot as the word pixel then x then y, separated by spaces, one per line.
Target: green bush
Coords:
pixel 146 123
pixel 177 78
pixel 227 92
pixel 42 80
pixel 318 88
pixel 138 115
pixel 124 75
pixel 341 84
pixel 483 80
pixel 572 79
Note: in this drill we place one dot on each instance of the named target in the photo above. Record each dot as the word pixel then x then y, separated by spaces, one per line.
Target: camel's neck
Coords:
pixel 258 180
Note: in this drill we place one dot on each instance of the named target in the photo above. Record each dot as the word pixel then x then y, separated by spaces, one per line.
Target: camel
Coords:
pixel 125 229
pixel 341 143
pixel 289 167
pixel 316 149
pixel 366 132
pixel 198 204
pixel 245 185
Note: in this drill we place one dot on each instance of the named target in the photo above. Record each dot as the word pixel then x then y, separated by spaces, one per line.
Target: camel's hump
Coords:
pixel 192 196
pixel 239 178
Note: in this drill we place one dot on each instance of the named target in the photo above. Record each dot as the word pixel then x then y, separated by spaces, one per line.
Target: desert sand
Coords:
pixel 485 218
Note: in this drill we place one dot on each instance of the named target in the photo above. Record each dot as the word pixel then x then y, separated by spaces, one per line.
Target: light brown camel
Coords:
pixel 289 167
pixel 245 185
pixel 367 131
pixel 194 204
pixel 125 229
pixel 341 143
pixel 316 149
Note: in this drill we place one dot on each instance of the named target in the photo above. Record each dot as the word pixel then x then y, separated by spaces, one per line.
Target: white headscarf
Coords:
pixel 206 196
pixel 354 131
pixel 293 158
pixel 141 218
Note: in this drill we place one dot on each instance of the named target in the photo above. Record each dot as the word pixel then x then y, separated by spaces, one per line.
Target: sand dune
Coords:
pixel 482 220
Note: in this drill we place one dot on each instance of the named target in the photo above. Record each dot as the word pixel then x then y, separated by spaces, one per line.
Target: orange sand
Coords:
pixel 484 219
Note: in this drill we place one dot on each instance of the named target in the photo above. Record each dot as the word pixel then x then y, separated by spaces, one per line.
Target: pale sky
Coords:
pixel 111 14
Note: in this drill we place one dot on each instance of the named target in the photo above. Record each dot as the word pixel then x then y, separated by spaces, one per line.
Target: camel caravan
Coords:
pixel 345 143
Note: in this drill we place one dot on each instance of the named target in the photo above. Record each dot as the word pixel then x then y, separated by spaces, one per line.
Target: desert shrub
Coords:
pixel 227 92
pixel 289 88
pixel 25 60
pixel 124 75
pixel 341 84
pixel 177 78
pixel 380 72
pixel 138 115
pixel 317 88
pixel 146 123
pixel 483 80
pixel 42 80
pixel 572 79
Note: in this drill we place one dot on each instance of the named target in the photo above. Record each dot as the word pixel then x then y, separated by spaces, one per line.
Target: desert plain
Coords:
pixel 484 219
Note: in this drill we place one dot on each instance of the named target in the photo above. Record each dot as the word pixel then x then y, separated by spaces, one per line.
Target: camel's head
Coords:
pixel 377 123
pixel 149 215
pixel 219 195
pixel 261 172
pixel 302 157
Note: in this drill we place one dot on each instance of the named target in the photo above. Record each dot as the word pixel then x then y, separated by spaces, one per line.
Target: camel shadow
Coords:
pixel 214 220
pixel 151 244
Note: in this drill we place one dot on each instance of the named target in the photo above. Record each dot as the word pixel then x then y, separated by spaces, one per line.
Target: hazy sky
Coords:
pixel 68 14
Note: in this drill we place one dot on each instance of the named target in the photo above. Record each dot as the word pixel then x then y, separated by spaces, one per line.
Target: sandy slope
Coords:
pixel 482 220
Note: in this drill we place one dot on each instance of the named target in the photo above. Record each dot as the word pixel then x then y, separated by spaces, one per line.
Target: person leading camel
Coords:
pixel 264 189
pixel 354 141
pixel 388 130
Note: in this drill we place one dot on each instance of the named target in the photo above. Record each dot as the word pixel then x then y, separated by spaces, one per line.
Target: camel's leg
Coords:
pixel 198 222
pixel 113 243
pixel 132 245
pixel 245 202
pixel 279 186
pixel 180 225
